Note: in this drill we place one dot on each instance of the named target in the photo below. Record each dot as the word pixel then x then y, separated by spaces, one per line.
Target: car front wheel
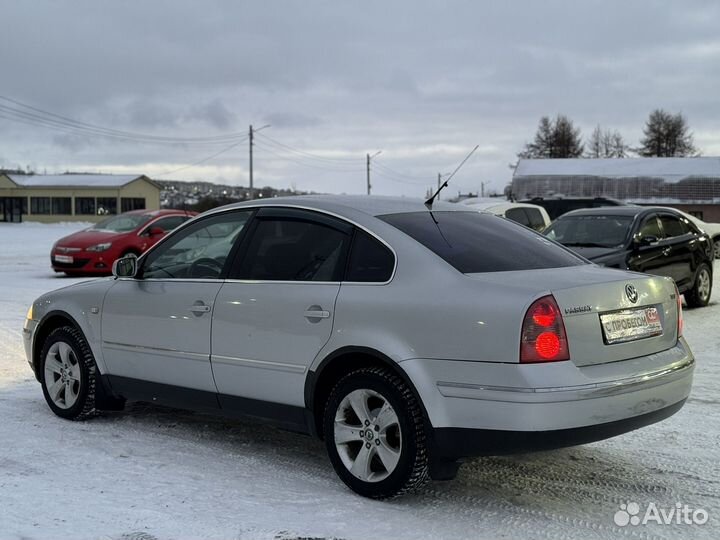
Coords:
pixel 699 295
pixel 67 372
pixel 375 434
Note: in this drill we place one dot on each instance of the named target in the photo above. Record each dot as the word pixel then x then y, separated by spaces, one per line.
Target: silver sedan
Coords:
pixel 407 337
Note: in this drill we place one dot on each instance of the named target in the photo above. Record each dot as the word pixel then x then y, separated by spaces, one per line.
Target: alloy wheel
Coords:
pixel 62 375
pixel 368 437
pixel 703 284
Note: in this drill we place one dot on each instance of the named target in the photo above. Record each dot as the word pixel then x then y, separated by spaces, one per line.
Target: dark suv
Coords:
pixel 556 207
pixel 657 241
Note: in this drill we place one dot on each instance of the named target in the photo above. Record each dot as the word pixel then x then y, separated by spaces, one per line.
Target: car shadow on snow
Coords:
pixel 584 484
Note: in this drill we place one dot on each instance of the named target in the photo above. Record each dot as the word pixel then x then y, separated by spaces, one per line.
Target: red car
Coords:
pixel 93 250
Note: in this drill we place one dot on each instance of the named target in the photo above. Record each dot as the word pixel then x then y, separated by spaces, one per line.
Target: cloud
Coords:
pixel 415 79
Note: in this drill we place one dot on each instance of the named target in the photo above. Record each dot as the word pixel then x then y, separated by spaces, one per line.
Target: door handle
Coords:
pixel 200 308
pixel 316 314
pixel 666 251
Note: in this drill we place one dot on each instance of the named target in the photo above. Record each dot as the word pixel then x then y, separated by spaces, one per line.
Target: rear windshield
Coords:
pixel 476 242
pixel 591 231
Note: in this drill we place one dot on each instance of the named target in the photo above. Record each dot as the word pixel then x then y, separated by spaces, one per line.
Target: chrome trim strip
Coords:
pixel 154 350
pixel 262 364
pixel 584 391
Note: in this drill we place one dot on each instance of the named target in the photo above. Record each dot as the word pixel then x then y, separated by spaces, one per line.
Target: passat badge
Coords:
pixel 631 293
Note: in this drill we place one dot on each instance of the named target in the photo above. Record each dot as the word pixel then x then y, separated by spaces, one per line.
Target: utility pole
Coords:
pixel 439 180
pixel 251 190
pixel 368 157
pixel 251 134
pixel 482 189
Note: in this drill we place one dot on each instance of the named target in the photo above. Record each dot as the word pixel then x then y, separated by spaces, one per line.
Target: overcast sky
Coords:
pixel 423 82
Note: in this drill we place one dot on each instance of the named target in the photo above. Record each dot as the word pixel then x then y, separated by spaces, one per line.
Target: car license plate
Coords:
pixel 67 259
pixel 629 325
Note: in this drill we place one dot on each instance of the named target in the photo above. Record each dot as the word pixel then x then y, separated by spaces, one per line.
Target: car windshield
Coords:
pixel 122 223
pixel 606 231
pixel 475 242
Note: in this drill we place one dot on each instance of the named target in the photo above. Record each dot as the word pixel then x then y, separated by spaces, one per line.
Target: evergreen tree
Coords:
pixel 666 135
pixel 557 138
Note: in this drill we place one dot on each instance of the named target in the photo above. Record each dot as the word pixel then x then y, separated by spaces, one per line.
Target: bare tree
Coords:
pixel 666 135
pixel 606 144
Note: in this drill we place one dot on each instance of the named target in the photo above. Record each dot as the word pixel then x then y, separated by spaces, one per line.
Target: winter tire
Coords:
pixel 375 434
pixel 699 295
pixel 68 374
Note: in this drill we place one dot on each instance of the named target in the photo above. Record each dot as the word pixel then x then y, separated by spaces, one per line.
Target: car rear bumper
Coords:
pixel 533 402
pixel 457 443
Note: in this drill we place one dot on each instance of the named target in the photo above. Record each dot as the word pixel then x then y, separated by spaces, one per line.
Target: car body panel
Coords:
pixel 149 331
pixel 260 352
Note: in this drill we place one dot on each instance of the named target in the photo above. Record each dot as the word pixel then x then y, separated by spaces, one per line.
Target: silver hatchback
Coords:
pixel 407 338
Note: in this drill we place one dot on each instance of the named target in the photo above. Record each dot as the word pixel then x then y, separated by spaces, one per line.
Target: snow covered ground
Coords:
pixel 151 473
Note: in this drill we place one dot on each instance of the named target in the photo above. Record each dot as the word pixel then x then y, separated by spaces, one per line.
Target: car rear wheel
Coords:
pixel 68 374
pixel 699 295
pixel 375 434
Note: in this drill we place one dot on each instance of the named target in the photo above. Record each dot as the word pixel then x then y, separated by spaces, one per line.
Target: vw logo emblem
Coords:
pixel 631 293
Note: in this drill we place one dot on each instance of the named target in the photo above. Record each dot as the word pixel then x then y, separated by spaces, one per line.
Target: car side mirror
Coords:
pixel 156 231
pixel 126 266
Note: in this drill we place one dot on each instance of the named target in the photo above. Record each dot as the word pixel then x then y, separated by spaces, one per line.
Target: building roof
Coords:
pixel 670 169
pixel 74 180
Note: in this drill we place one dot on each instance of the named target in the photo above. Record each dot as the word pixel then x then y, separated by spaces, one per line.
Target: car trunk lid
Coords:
pixel 602 322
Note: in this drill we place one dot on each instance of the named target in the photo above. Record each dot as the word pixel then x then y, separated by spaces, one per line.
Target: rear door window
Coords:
pixel 536 219
pixel 518 215
pixel 672 226
pixel 478 242
pixel 292 246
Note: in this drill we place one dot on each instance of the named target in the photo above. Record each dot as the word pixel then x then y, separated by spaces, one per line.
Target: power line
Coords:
pixel 39 117
pixel 384 175
pixel 397 173
pixel 306 154
pixel 204 159
pixel 298 160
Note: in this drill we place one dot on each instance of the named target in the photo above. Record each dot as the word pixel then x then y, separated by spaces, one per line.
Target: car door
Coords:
pixel 156 326
pixel 275 312
pixel 678 248
pixel 648 253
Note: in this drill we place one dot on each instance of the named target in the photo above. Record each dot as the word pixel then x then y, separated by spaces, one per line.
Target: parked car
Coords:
pixel 654 240
pixel 530 215
pixel 93 251
pixel 712 230
pixel 557 206
pixel 406 339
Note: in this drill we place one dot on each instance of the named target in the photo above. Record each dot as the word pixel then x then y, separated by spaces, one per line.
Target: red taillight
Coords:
pixel 679 311
pixel 543 336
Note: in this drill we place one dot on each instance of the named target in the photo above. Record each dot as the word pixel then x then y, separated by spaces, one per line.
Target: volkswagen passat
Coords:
pixel 407 338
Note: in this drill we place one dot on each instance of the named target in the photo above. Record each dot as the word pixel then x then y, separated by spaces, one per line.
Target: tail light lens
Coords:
pixel 679 311
pixel 543 337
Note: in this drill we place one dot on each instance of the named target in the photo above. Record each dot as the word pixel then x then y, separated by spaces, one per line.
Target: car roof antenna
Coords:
pixel 431 200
